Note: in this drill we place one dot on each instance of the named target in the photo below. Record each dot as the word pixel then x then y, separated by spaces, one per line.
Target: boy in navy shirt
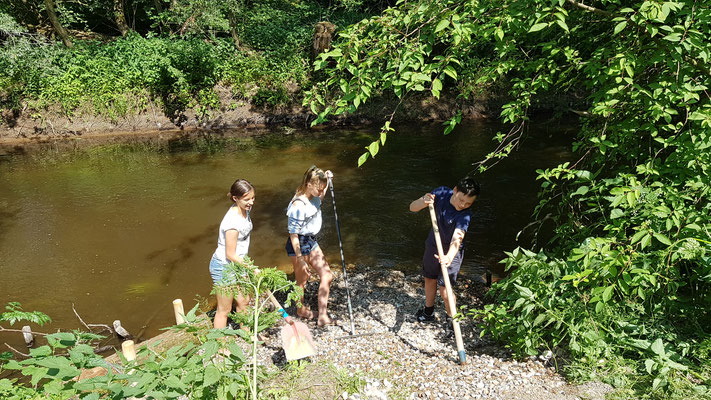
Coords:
pixel 452 207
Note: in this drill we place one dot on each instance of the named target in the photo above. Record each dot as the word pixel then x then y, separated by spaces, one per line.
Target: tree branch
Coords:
pixel 591 9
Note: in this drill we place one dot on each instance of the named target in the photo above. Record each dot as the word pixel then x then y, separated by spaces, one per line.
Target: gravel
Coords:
pixel 399 355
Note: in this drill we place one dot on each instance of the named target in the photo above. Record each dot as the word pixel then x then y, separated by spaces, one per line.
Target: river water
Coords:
pixel 121 233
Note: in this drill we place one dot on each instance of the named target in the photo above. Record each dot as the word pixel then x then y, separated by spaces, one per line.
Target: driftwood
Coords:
pixel 27 334
pixel 120 330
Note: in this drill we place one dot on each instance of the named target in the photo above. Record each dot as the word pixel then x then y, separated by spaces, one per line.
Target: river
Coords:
pixel 122 232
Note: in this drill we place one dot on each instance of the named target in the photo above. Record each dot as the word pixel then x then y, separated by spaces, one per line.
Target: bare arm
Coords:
pixel 454 245
pixel 231 246
pixel 329 175
pixel 294 237
pixel 422 202
pixel 457 239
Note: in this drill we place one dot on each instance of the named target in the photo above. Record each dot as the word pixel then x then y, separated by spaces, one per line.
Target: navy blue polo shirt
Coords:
pixel 448 218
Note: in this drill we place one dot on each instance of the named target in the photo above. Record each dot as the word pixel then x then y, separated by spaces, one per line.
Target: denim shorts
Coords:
pixel 217 272
pixel 431 267
pixel 307 243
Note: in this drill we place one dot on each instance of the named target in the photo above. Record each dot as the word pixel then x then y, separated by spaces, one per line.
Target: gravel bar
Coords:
pixel 399 355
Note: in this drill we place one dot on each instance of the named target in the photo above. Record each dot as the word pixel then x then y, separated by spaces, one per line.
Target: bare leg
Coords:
pixel 224 306
pixel 301 272
pixel 430 292
pixel 242 302
pixel 320 265
pixel 443 293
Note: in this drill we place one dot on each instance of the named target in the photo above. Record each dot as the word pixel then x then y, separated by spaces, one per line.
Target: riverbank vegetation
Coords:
pixel 115 61
pixel 622 288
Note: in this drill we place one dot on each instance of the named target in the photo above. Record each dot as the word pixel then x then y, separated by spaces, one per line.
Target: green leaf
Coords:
pixel 649 364
pixel 637 236
pixel 562 24
pixel 607 294
pixel 437 84
pixel 363 158
pixel 582 190
pixel 663 239
pixel 61 340
pixel 374 148
pixel 616 213
pixel 37 373
pixel 451 72
pixel 212 375
pixel 537 27
pixel 657 347
pixel 619 27
pixel 442 25
pixel 383 138
pixel 41 351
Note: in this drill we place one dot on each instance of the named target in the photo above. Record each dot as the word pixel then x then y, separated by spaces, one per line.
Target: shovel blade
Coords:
pixel 297 341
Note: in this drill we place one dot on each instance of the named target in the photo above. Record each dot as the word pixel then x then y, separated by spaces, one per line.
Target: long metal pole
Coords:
pixel 343 260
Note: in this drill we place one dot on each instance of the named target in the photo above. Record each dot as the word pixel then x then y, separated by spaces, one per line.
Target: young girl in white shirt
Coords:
pixel 232 246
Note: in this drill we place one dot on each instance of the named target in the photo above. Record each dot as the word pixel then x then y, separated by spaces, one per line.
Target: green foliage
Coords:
pixel 198 368
pixel 178 69
pixel 625 283
pixel 15 313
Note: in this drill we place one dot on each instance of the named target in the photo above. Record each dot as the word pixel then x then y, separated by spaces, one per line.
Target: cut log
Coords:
pixel 128 349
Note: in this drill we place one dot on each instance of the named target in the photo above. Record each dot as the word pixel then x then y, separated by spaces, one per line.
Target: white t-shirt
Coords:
pixel 304 215
pixel 233 220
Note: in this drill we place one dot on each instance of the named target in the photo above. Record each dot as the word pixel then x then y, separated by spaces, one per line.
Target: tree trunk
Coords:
pixel 233 29
pixel 49 4
pixel 120 17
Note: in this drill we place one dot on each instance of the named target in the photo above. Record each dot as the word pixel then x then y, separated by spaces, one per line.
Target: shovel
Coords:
pixel 295 336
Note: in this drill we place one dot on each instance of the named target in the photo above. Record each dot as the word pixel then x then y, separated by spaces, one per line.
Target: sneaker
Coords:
pixel 448 327
pixel 421 316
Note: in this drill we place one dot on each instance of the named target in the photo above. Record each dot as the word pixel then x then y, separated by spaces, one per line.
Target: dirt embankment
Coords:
pixel 22 128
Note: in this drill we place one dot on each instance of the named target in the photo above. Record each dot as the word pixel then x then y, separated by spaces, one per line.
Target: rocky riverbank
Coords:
pixel 402 358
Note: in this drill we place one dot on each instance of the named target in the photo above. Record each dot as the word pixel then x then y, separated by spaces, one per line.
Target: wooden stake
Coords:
pixel 128 349
pixel 179 311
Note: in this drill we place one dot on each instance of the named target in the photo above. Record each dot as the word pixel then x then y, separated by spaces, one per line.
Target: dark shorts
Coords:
pixel 307 243
pixel 431 268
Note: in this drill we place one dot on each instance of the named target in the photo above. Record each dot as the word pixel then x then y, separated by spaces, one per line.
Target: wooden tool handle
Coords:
pixel 448 287
pixel 279 308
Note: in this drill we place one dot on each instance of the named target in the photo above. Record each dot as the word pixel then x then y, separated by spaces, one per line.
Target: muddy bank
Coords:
pixel 22 128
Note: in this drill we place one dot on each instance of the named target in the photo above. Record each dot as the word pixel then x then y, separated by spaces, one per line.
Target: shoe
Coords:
pixel 448 327
pixel 421 316
pixel 233 325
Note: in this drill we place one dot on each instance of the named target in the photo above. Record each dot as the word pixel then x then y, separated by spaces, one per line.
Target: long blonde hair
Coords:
pixel 312 174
